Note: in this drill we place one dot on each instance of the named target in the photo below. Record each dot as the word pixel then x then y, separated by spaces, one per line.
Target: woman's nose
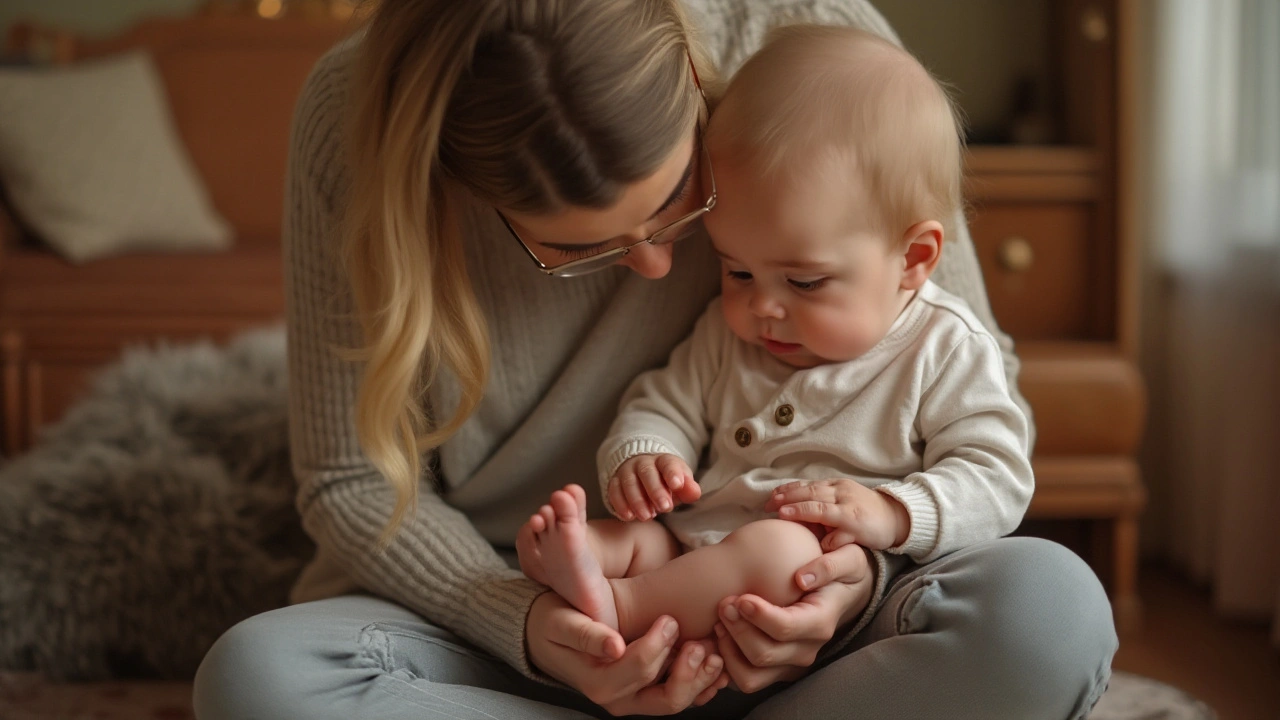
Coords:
pixel 649 261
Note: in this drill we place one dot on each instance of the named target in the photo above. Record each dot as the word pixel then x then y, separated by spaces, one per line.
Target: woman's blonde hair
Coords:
pixel 841 100
pixel 528 105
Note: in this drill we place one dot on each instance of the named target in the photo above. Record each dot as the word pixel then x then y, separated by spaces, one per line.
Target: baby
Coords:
pixel 831 382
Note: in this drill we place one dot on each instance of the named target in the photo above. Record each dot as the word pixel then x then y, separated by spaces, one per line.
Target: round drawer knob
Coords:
pixel 742 436
pixel 1016 254
pixel 1094 25
pixel 784 415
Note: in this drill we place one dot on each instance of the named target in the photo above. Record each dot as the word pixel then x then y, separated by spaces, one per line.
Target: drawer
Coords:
pixel 1037 262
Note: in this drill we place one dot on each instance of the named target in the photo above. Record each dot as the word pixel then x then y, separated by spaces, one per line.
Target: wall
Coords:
pixel 94 17
pixel 980 47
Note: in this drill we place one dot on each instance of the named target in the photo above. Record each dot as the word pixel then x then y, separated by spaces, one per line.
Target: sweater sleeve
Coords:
pixel 664 411
pixel 439 565
pixel 977 479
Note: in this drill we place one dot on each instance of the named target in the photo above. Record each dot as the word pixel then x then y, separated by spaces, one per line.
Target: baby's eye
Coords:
pixel 807 285
pixel 739 274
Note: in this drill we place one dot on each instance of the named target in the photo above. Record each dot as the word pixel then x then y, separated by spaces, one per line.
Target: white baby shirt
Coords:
pixel 924 416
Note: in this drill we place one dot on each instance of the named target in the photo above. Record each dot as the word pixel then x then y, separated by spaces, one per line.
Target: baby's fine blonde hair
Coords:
pixel 527 105
pixel 850 107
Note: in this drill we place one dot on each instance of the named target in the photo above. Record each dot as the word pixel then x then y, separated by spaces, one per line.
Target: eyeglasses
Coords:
pixel 673 231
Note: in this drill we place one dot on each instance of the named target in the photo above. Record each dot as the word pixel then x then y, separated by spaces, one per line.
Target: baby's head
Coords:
pixel 837 160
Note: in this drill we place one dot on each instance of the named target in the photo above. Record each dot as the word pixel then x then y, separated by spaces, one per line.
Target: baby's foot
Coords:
pixel 563 556
pixel 527 549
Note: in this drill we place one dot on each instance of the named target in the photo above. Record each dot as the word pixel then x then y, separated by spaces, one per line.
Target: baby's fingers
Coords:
pixel 813 511
pixel 795 492
pixel 634 495
pixel 678 478
pixel 618 501
pixel 654 487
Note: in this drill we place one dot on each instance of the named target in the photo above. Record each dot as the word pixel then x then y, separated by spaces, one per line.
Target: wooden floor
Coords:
pixel 1228 664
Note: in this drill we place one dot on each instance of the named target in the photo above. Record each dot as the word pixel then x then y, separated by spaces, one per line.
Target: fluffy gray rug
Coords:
pixel 158 513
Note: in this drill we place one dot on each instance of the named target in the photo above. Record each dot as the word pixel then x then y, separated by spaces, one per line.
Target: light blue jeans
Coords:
pixel 1015 628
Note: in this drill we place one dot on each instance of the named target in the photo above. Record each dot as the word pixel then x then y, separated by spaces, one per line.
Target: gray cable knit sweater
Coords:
pixel 563 352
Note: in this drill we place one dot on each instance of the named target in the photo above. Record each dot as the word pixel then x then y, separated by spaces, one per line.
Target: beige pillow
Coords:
pixel 91 161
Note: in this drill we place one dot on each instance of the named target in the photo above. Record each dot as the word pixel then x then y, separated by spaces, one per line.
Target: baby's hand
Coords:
pixel 646 485
pixel 854 513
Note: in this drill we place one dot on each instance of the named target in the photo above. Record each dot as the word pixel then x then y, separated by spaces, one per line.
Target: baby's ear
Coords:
pixel 922 249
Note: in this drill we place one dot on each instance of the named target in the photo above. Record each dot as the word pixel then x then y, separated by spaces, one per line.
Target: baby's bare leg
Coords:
pixel 559 548
pixel 623 549
pixel 627 549
pixel 760 558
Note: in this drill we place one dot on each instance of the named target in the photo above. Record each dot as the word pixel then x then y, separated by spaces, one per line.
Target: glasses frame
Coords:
pixel 564 269
pixel 617 253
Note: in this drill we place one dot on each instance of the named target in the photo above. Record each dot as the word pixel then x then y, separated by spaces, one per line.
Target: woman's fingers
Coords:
pixel 745 676
pixel 844 564
pixel 642 663
pixel 692 676
pixel 837 539
pixel 797 630
pixel 576 631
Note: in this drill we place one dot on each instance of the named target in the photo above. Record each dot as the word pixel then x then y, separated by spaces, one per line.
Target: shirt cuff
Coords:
pixel 923 510
pixel 640 445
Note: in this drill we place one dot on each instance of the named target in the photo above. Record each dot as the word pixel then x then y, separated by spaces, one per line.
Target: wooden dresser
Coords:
pixel 1051 227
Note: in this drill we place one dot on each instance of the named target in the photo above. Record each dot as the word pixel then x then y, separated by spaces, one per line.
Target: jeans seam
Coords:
pixel 902 623
pixel 375 645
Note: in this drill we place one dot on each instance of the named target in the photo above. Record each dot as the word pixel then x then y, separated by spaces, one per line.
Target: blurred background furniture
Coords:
pixel 1051 192
pixel 232 81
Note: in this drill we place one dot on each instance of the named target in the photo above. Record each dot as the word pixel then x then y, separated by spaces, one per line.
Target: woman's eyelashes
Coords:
pixel 587 251
pixel 681 194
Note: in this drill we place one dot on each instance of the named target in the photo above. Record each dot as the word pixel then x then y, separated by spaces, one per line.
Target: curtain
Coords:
pixel 1212 301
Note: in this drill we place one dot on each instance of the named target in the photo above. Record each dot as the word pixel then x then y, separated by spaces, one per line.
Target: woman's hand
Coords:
pixel 592 658
pixel 762 643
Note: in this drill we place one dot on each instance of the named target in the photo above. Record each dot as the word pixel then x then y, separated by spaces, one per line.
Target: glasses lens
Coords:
pixel 589 265
pixel 679 231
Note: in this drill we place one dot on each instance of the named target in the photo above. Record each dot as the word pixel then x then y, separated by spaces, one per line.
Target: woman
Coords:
pixel 496 143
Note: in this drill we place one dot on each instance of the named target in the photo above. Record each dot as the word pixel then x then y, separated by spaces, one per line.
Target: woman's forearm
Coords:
pixel 438 565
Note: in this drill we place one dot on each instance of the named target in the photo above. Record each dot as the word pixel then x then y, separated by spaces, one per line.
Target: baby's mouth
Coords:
pixel 780 348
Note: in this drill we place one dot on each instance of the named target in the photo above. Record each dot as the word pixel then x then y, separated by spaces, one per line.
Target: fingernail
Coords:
pixel 666 505
pixel 731 614
pixel 670 629
pixel 714 663
pixel 787 510
pixel 696 654
pixel 747 609
pixel 677 483
pixel 807 579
